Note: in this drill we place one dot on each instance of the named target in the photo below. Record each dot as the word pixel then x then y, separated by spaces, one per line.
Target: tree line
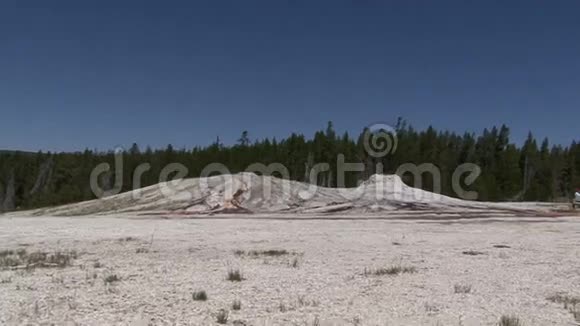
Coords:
pixel 533 171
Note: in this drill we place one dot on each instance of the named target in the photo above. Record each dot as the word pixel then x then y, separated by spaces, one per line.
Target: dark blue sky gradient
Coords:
pixel 77 74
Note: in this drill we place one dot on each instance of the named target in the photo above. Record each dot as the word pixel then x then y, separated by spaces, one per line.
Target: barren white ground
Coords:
pixel 185 255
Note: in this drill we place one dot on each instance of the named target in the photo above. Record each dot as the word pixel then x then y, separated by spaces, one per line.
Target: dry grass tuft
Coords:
pixel 462 288
pixel 258 253
pixel 473 253
pixel 282 307
pixel 222 316
pixel 199 295
pixel 127 239
pixel 295 263
pixel 235 275
pixel 302 301
pixel 316 321
pixel 393 270
pixel 237 305
pixel 112 278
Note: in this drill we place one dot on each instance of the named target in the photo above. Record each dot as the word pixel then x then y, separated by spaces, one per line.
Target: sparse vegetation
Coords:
pixel 462 288
pixel 142 250
pixel 235 275
pixel 393 270
pixel 237 305
pixel 199 295
pixel 501 246
pixel 222 316
pixel 22 259
pixel 509 321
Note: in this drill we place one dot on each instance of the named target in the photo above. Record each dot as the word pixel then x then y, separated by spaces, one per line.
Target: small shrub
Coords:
pixel 501 246
pixel 509 321
pixel 97 264
pixel 462 288
pixel 222 317
pixel 142 250
pixel 237 305
pixel 199 296
pixel 235 275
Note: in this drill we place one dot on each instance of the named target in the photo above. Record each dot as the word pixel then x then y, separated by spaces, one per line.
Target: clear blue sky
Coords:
pixel 77 74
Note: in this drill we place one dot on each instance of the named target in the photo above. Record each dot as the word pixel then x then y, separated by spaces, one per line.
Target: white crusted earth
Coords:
pixel 508 258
